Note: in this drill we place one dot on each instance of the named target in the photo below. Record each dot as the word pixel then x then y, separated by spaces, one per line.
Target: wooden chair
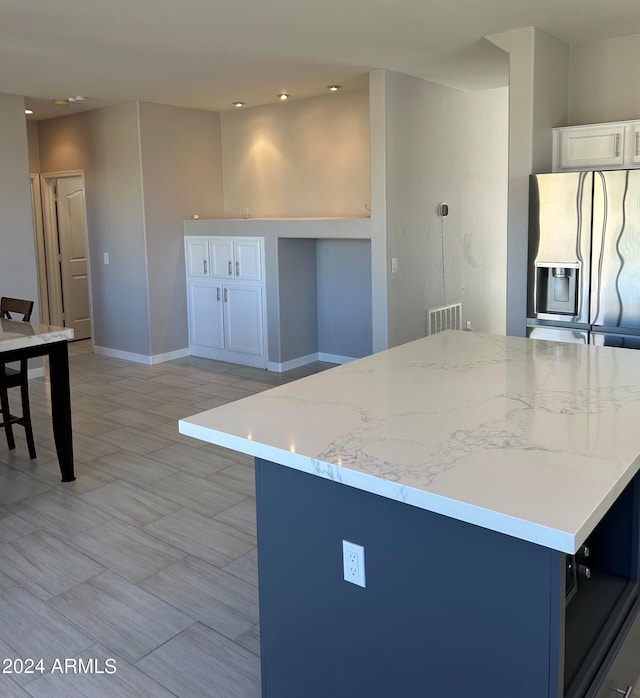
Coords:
pixel 15 378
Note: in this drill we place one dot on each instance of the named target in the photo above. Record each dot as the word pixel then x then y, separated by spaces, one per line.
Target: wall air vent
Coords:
pixel 447 317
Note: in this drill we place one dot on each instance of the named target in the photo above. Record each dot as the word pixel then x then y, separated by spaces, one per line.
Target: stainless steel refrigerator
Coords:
pixel 584 258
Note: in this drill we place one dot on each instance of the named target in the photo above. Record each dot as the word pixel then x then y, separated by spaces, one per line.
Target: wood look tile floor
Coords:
pixel 148 559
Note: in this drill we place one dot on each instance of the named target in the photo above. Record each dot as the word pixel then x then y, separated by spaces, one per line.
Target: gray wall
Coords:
pixel 182 176
pixel 147 168
pixel 604 81
pixel 416 160
pixel 298 294
pixel 105 144
pixel 443 145
pixel 379 265
pixel 17 260
pixel 115 221
pixel 538 79
pixel 476 191
pixel 34 149
pixel 307 157
pixel 344 297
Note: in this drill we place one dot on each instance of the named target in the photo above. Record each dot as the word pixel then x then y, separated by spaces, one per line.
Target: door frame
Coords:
pixel 53 284
pixel 38 234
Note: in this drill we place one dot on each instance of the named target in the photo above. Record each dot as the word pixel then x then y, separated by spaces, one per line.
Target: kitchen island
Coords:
pixel 471 468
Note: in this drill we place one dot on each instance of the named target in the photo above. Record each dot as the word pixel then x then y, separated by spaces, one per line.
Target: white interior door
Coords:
pixel 73 255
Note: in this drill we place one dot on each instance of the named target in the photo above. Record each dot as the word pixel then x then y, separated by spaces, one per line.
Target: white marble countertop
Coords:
pixel 15 334
pixel 531 438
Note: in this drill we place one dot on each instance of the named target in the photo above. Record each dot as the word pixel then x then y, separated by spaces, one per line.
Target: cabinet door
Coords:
pixel 635 142
pixel 198 257
pixel 221 252
pixel 243 319
pixel 592 147
pixel 248 259
pixel 205 315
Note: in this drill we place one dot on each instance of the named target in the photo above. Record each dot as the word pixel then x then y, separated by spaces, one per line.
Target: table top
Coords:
pixel 531 438
pixel 15 334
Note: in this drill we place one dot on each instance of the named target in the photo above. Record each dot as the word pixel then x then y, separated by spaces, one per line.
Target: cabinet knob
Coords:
pixel 230 269
pixel 204 264
pixel 218 293
pixel 237 268
pixel 583 571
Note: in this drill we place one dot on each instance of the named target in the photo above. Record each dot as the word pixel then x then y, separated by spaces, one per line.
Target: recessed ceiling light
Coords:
pixel 283 97
pixel 334 88
pixel 238 104
pixel 28 111
pixel 77 98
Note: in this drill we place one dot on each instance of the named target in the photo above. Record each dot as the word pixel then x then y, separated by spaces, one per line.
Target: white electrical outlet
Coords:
pixel 394 265
pixel 353 563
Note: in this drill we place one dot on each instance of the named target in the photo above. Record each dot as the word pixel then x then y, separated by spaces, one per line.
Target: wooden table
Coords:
pixel 23 339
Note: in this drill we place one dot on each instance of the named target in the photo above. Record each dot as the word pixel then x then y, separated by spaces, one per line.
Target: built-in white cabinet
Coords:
pixel 226 299
pixel 597 146
pixel 225 258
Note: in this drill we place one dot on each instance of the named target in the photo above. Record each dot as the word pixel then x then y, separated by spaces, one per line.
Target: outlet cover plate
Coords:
pixel 353 563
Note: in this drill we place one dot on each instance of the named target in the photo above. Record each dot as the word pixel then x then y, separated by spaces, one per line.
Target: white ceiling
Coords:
pixel 208 53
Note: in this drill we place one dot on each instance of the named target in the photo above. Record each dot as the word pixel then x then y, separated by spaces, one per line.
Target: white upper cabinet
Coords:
pixel 597 146
pixel 247 254
pixel 636 144
pixel 197 251
pixel 221 252
pixel 225 258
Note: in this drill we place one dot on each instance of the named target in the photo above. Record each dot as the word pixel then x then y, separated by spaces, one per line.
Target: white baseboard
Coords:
pixel 335 358
pixel 170 356
pixel 308 359
pixel 293 363
pixel 141 358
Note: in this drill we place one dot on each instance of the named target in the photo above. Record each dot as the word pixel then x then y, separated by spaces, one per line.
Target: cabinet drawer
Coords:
pixel 624 669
